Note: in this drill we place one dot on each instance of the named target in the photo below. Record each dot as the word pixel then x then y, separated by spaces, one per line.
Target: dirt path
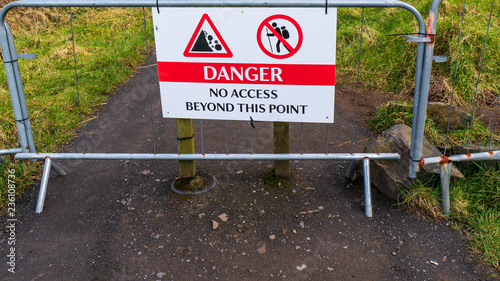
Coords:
pixel 118 220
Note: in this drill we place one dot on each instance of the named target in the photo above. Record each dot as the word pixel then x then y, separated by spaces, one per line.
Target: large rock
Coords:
pixel 391 176
pixel 440 112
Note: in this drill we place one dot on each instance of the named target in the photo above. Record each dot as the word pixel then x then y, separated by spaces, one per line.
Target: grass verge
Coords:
pixel 475 202
pixel 109 45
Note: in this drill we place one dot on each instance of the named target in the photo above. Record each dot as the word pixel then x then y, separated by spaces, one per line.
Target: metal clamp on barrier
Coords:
pixel 27 56
pixel 418 39
pixel 439 59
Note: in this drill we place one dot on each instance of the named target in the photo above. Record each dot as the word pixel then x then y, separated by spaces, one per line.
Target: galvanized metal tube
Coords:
pixel 368 192
pixel 9 61
pixel 352 168
pixel 492 155
pixel 217 3
pixel 416 143
pixel 445 176
pixel 146 156
pixel 420 108
pixel 10 151
pixel 58 169
pixel 43 185
pixel 20 91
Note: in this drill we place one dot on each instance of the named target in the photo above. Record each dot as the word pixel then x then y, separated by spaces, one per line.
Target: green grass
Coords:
pixel 388 62
pixel 474 201
pixel 109 46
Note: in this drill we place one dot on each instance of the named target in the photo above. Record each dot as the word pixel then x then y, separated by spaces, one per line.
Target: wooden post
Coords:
pixel 187 168
pixel 281 145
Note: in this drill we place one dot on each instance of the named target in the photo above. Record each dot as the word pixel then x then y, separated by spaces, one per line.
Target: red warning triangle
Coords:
pixel 207 41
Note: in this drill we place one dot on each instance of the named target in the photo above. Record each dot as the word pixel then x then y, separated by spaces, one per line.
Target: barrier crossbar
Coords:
pixel 28 151
pixel 236 156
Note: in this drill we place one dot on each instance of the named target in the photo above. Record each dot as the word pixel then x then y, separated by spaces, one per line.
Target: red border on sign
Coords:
pixel 187 52
pixel 265 23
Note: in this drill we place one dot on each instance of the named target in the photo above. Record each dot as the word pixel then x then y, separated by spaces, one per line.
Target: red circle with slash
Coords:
pixel 292 50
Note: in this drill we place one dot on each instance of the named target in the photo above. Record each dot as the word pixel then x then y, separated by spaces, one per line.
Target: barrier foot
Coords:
pixel 43 185
pixel 352 169
pixel 445 176
pixel 57 169
pixel 368 193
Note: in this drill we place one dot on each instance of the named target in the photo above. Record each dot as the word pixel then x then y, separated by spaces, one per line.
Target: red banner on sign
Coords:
pixel 243 73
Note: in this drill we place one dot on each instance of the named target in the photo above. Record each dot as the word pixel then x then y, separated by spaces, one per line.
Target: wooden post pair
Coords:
pixel 187 168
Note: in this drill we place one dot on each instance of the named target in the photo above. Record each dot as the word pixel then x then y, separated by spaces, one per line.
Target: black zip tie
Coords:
pixel 415 160
pixel 10 61
pixel 157 7
pixel 22 120
pixel 326 7
pixel 252 121
pixel 186 138
pixel 412 33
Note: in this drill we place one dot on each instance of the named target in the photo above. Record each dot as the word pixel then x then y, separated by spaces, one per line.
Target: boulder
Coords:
pixel 440 112
pixel 391 176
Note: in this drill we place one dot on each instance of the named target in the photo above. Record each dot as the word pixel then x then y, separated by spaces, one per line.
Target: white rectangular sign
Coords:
pixel 265 64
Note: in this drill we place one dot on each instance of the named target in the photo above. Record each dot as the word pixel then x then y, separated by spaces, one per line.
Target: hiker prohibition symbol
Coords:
pixel 279 31
pixel 283 34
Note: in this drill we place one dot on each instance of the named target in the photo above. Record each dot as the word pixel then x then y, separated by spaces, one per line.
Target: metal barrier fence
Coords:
pixel 445 162
pixel 28 150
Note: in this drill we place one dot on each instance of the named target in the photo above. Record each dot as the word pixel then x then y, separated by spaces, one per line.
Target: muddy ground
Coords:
pixel 119 220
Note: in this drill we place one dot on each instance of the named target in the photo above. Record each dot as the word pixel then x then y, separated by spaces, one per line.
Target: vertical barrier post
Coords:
pixel 14 80
pixel 445 177
pixel 282 145
pixel 352 169
pixel 368 192
pixel 422 91
pixel 43 185
pixel 185 137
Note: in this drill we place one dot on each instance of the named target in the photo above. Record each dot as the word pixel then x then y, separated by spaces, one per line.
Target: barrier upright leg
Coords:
pixel 445 177
pixel 57 169
pixel 352 168
pixel 368 192
pixel 43 185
